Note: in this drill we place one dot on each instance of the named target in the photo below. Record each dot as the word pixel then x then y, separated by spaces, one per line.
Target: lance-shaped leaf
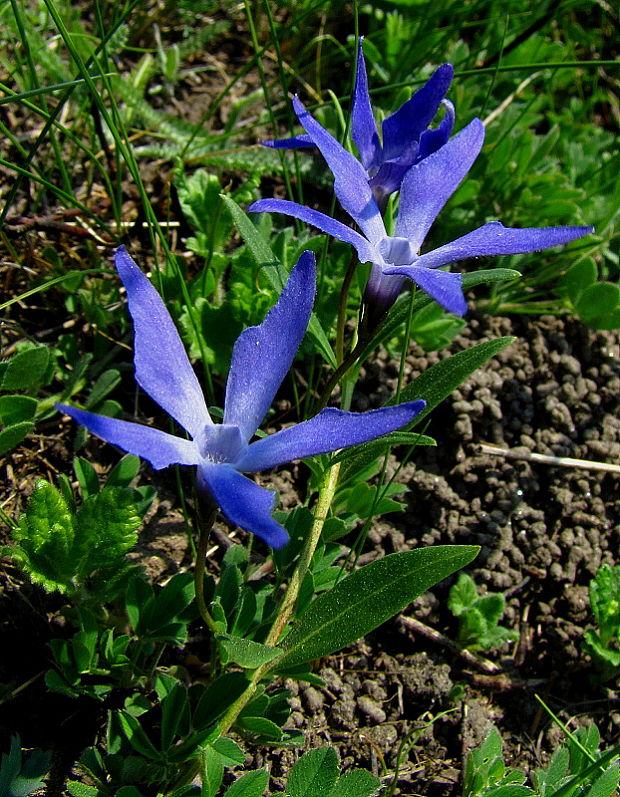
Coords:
pixel 367 598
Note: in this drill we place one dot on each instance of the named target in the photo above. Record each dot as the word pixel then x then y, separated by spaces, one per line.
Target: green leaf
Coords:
pixel 86 476
pixel 18 777
pixel 45 539
pixel 16 409
pixel 314 775
pixel 606 783
pixel 463 595
pixel 136 736
pixel 13 435
pixel 217 697
pixel 104 385
pixel 229 751
pixel 578 278
pixel 370 596
pixel 212 772
pixel 260 726
pixel 252 784
pixel 356 783
pixel 175 716
pixel 438 381
pixel 123 473
pixel 106 526
pixel 77 789
pixel 25 369
pixel 376 448
pixel 598 300
pixel 247 653
pixel 258 246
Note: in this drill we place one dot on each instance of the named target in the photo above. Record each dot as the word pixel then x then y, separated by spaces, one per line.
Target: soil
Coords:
pixel 543 530
pixel 402 698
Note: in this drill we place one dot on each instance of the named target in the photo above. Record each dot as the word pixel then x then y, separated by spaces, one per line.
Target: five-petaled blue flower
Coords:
pixel 406 136
pixel 261 358
pixel 425 189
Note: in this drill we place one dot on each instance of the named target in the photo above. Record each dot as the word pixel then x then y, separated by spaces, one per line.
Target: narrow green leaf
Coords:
pixel 86 476
pixel 314 775
pixel 258 246
pixel 125 470
pixel 104 385
pixel 403 305
pixel 136 736
pixel 174 715
pixel 367 598
pixel 375 448
pixel 247 653
pixel 217 697
pixel 438 381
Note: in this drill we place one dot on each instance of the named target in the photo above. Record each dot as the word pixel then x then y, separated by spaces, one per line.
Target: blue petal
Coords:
pixel 263 354
pixel 381 290
pixel 442 286
pixel 330 430
pixel 294 142
pixel 432 139
pixel 244 503
pixel 388 178
pixel 406 125
pixel 158 448
pixel 429 184
pixel 495 239
pixel 365 250
pixel 363 127
pixel 350 178
pixel 162 367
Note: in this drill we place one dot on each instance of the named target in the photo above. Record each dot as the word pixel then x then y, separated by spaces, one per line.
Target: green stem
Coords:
pixel 405 349
pixel 342 309
pixel 326 496
pixel 365 332
pixel 205 524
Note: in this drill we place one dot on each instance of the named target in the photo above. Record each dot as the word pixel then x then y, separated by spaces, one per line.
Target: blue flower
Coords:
pixel 261 358
pixel 406 137
pixel 425 189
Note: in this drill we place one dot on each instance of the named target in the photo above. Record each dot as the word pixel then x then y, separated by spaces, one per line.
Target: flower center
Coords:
pixel 221 443
pixel 397 251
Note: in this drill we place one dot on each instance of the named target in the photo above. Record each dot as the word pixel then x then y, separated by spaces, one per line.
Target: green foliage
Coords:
pixel 368 597
pixel 97 659
pixel 28 370
pixel 79 552
pixel 316 774
pixel 21 774
pixel 577 769
pixel 603 642
pixel 479 616
pixel 433 329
